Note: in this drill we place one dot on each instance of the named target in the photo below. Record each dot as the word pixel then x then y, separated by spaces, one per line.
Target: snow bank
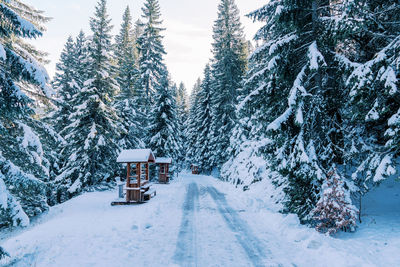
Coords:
pixel 375 243
pixel 88 231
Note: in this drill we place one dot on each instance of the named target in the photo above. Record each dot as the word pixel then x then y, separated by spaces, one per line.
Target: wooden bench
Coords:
pixel 144 190
pixel 149 194
pixel 146 187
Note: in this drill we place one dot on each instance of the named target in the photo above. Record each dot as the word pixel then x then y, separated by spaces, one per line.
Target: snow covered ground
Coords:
pixel 200 221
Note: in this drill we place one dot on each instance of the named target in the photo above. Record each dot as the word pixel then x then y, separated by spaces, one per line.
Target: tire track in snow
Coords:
pixel 250 243
pixel 186 249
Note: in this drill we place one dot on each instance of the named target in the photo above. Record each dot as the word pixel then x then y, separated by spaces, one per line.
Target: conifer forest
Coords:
pixel 294 134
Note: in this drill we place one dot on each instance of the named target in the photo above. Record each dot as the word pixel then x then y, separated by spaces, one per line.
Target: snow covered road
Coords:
pixel 255 252
pixel 194 221
pixel 186 247
pixel 226 221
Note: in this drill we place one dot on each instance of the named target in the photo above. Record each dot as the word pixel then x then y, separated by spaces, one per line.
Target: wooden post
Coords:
pixel 137 193
pixel 128 181
pixel 159 173
pixel 167 173
pixel 137 170
pixel 139 176
pixel 147 171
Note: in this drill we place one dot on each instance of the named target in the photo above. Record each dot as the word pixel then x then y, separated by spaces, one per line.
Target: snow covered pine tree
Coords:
pixel 164 130
pixel 151 53
pixel 72 72
pixel 204 121
pixel 229 65
pixel 126 101
pixel 158 97
pixel 70 76
pixel 334 210
pixel 25 152
pixel 373 86
pixel 93 122
pixel 182 114
pixel 65 85
pixel 293 99
pixel 192 125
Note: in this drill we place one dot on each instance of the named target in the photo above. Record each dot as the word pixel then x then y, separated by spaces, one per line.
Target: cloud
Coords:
pixel 188 49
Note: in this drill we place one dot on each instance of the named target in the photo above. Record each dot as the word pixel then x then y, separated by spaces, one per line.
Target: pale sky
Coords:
pixel 188 24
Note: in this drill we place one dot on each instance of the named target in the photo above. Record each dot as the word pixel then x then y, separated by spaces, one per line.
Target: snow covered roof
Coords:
pixel 136 155
pixel 164 160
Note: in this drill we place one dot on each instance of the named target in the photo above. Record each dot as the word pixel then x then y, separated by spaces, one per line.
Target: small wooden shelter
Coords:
pixel 163 173
pixel 137 185
pixel 195 169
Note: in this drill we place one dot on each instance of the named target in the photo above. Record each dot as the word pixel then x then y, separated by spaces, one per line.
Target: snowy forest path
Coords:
pixel 212 229
pixel 244 235
pixel 194 221
pixel 185 254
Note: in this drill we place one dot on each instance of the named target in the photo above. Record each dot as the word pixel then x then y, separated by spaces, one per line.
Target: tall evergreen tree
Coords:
pixel 182 102
pixel 72 72
pixel 228 68
pixel 371 27
pixel 182 116
pixel 151 50
pixel 69 78
pixel 94 130
pixel 293 107
pixel 64 84
pixel 204 121
pixel 126 53
pixel 164 129
pixel 82 59
pixel 138 31
pixel 125 104
pixel 25 154
pixel 183 97
pixel 192 125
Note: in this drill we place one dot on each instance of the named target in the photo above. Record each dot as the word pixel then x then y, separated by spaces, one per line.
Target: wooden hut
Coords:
pixel 163 172
pixel 137 185
pixel 195 169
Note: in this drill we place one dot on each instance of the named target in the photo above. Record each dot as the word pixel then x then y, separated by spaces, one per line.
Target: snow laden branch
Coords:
pixel 315 59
